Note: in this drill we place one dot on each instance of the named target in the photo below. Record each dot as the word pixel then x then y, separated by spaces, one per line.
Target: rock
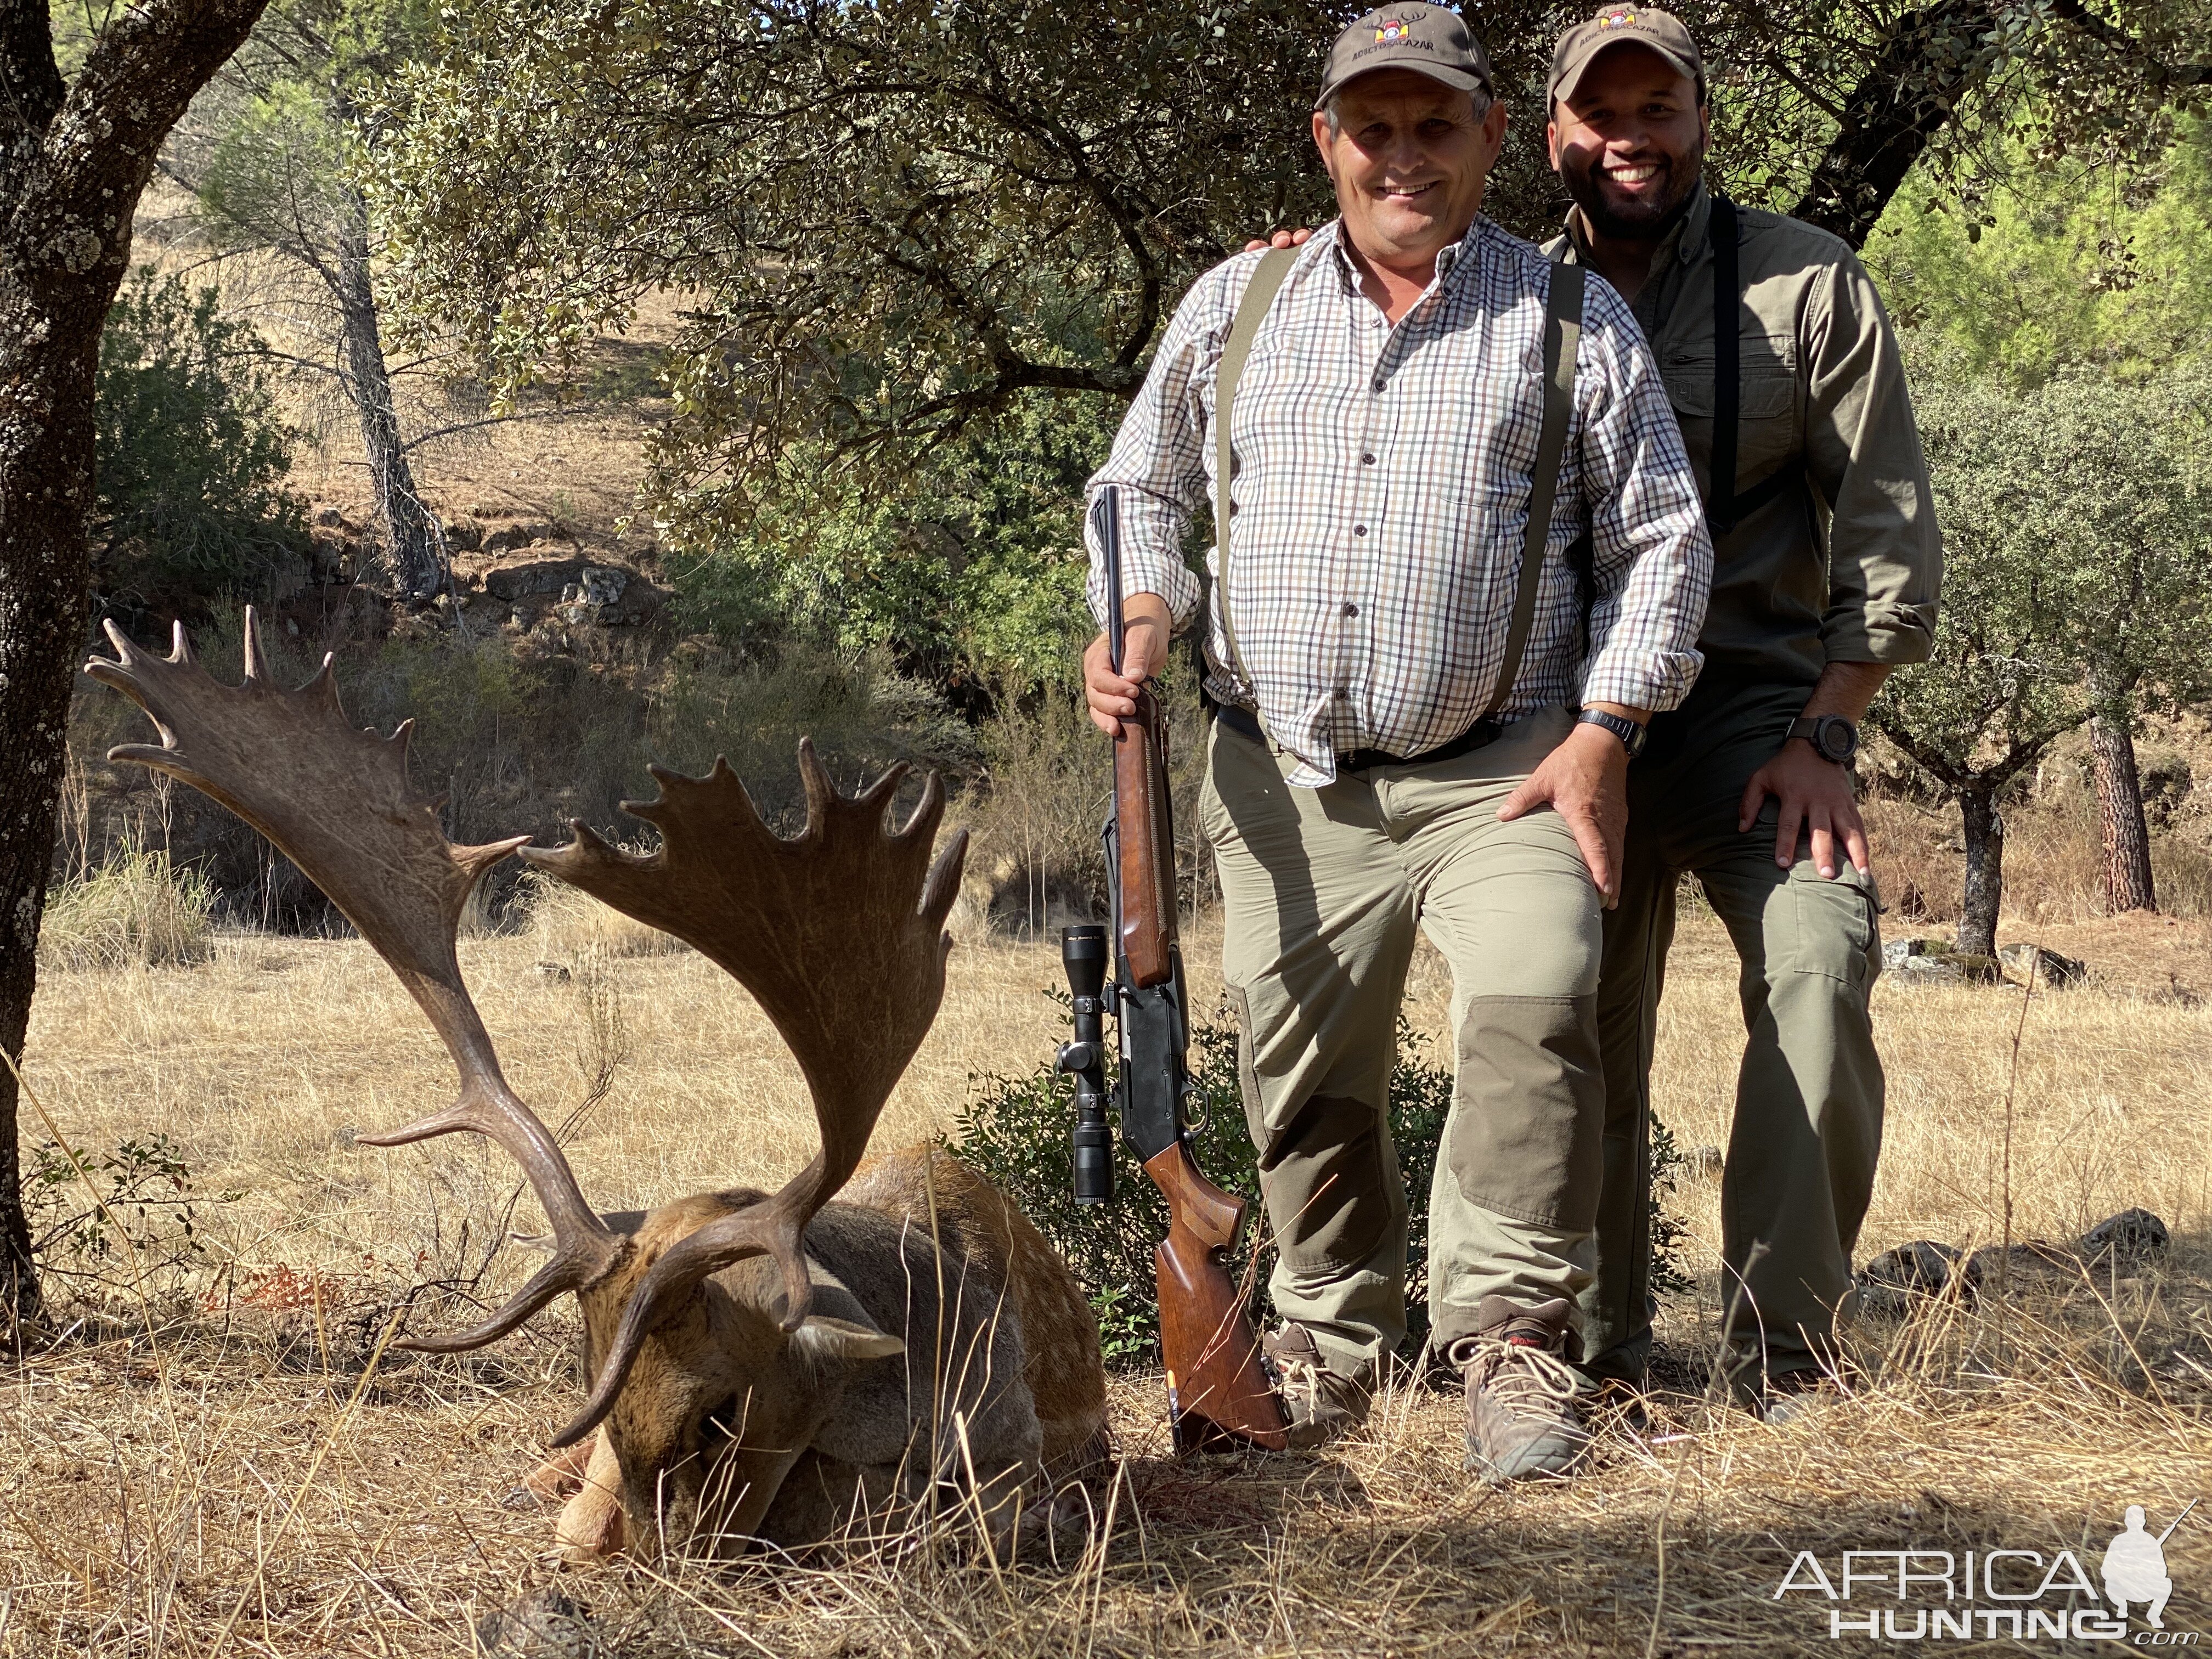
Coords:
pixel 1705 1162
pixel 543 1623
pixel 1900 952
pixel 330 518
pixel 1926 970
pixel 2027 963
pixel 558 972
pixel 464 535
pixel 549 576
pixel 2131 1234
pixel 1890 1283
pixel 602 586
pixel 509 536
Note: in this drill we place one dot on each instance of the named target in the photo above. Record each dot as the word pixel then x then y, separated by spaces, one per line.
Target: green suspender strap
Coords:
pixel 1563 330
pixel 1259 294
pixel 1562 344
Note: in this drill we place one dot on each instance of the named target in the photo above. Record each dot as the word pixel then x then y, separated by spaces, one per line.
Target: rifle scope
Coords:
pixel 1083 953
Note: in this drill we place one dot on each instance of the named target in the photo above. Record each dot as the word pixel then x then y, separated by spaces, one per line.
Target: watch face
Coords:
pixel 1837 741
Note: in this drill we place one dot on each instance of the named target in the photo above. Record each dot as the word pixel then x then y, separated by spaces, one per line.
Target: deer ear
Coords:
pixel 822 1341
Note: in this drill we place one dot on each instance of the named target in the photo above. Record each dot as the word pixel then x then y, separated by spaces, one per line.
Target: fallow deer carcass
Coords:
pixel 766 1366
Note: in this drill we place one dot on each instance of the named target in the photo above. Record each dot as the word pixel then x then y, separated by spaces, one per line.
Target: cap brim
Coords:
pixel 1458 79
pixel 1564 82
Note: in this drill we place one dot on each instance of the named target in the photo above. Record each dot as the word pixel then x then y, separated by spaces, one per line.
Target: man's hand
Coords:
pixel 1145 625
pixel 1294 238
pixel 1814 793
pixel 1585 780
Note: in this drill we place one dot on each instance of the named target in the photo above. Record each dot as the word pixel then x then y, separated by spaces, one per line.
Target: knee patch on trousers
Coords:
pixel 1331 1193
pixel 1526 1137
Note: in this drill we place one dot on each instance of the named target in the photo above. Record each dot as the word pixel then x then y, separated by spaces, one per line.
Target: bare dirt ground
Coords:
pixel 216 1468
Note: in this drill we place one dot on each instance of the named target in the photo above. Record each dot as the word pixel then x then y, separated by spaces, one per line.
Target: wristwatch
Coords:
pixel 1832 737
pixel 1631 734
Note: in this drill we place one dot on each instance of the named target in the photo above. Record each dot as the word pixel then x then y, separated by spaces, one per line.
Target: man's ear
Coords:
pixel 1320 143
pixel 1552 142
pixel 824 1342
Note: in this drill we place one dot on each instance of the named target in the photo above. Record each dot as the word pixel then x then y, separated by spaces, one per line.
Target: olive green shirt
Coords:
pixel 1846 570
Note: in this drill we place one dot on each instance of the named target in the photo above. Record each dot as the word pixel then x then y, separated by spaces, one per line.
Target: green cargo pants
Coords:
pixel 1800 1162
pixel 1323 889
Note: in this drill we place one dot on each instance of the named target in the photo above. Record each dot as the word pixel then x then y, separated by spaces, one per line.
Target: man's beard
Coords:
pixel 1639 222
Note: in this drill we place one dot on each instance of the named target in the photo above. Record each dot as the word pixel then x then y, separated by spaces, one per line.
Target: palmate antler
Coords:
pixel 840 936
pixel 336 801
pixel 838 933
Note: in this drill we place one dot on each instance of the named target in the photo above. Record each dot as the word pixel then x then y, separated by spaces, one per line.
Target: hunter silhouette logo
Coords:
pixel 1390 33
pixel 2134 1568
pixel 1924 1594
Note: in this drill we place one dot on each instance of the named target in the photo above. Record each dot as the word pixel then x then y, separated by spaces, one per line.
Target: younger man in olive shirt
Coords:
pixel 1825 567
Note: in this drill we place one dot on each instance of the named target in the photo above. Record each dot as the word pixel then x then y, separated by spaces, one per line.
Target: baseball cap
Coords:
pixel 1660 31
pixel 1427 39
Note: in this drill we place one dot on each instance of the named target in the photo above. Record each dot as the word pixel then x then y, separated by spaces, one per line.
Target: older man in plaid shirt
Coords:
pixel 1377 765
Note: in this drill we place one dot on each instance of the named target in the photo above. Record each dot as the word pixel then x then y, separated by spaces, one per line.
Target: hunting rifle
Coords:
pixel 1217 1390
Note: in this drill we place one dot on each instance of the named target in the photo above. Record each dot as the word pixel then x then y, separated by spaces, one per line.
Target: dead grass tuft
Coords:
pixel 136 910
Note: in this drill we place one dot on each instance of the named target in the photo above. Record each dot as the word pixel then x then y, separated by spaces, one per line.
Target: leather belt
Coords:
pixel 1484 731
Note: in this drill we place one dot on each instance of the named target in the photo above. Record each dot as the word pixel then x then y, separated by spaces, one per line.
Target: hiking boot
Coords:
pixel 1795 1397
pixel 1321 1405
pixel 1523 1389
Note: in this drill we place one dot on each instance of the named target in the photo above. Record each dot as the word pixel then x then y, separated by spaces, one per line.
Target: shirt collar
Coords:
pixel 1467 248
pixel 1679 245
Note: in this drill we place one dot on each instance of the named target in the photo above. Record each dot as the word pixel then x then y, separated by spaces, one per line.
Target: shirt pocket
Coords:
pixel 1767 417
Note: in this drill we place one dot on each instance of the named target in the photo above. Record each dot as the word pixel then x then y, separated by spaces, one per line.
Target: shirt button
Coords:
pixel 1378 382
pixel 1351 609
pixel 1343 695
pixel 1359 530
pixel 1367 461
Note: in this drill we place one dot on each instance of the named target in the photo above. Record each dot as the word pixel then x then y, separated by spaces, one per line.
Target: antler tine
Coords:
pixel 337 802
pixel 838 933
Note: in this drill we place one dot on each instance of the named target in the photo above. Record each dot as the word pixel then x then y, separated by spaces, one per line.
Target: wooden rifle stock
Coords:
pixel 1217 1389
pixel 1146 832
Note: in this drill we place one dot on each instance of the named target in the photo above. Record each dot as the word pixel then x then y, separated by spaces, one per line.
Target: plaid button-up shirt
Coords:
pixel 1380 500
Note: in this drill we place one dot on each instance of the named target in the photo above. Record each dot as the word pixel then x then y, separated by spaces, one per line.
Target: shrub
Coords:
pixel 145 1219
pixel 136 909
pixel 190 455
pixel 1014 1133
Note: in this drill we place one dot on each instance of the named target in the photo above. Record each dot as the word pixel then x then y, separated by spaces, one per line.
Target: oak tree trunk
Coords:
pixel 1985 839
pixel 73 162
pixel 411 543
pixel 2123 832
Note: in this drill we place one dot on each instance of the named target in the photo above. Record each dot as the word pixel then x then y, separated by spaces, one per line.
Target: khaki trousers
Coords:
pixel 1808 1129
pixel 1324 890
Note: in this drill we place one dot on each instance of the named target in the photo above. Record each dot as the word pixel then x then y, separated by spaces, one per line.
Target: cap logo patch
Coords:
pixel 1390 32
pixel 1620 19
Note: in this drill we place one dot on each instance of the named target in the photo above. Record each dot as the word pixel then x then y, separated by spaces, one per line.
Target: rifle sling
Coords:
pixel 1563 330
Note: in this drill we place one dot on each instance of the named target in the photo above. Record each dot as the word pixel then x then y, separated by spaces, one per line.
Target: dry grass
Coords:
pixel 220 1489
pixel 136 909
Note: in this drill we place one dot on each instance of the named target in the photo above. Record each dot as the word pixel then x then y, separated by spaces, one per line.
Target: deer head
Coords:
pixel 707 1339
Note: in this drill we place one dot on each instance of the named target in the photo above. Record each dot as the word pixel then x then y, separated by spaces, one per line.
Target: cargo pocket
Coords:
pixel 1835 925
pixel 1526 1138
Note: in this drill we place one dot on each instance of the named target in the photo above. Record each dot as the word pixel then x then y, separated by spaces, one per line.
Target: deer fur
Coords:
pixel 843 1417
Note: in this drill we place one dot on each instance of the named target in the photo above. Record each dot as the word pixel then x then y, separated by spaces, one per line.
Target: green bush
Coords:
pixel 144 1221
pixel 1014 1133
pixel 190 455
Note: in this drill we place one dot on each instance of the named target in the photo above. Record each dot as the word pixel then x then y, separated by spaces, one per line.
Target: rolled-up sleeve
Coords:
pixel 1862 451
pixel 1651 563
pixel 1158 458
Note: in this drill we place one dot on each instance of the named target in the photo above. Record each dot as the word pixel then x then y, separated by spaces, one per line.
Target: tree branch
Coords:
pixel 1922 70
pixel 2111 35
pixel 31 89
